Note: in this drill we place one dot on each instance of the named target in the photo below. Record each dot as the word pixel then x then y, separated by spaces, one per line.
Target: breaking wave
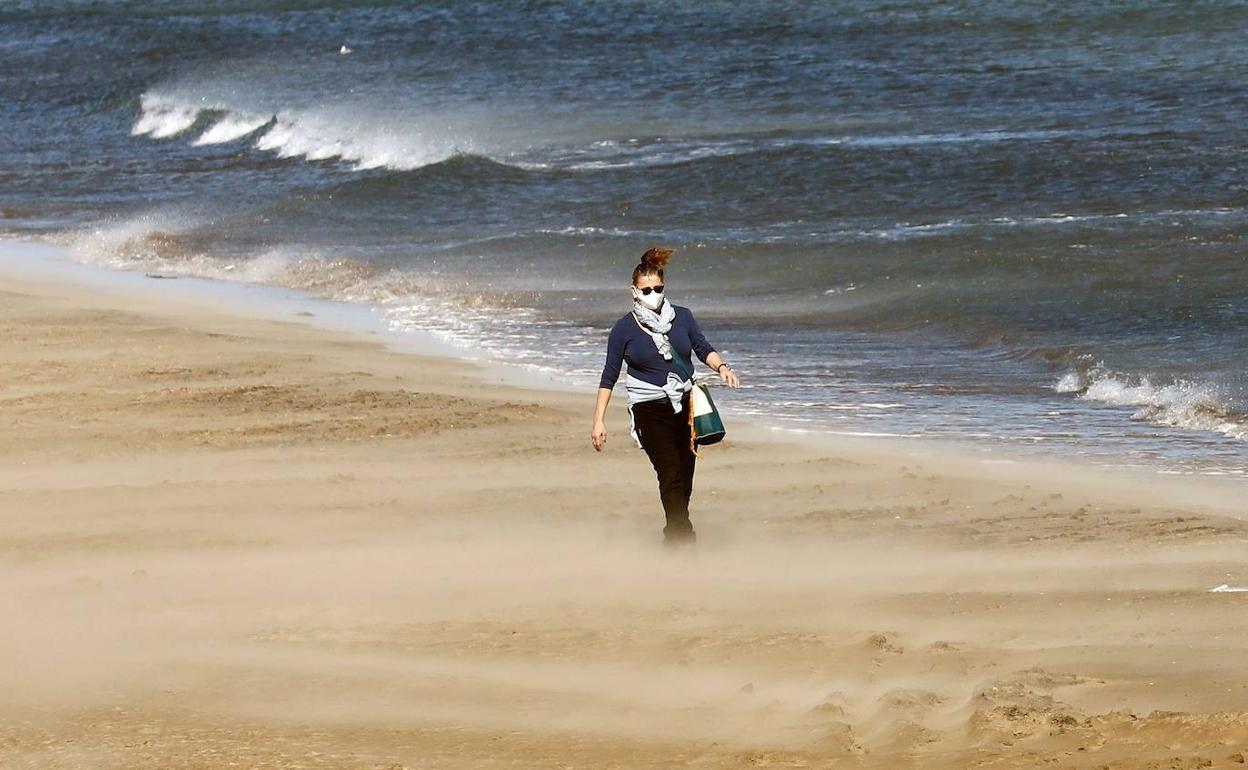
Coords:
pixel 369 136
pixel 1187 404
pixel 361 138
pixel 162 119
pixel 231 127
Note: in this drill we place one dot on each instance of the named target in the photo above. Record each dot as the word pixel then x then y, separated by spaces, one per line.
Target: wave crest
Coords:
pixel 1186 404
pixel 365 140
pixel 161 119
pixel 231 127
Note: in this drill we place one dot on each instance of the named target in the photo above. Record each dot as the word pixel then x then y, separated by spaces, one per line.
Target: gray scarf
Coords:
pixel 657 325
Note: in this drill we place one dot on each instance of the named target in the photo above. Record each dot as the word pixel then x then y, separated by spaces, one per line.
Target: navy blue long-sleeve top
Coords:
pixel 630 343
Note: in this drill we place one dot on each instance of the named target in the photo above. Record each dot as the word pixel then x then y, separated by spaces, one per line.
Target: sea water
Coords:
pixel 1014 224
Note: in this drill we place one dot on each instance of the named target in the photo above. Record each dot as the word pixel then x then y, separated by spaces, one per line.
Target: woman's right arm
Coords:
pixel 610 373
pixel 598 434
pixel 612 367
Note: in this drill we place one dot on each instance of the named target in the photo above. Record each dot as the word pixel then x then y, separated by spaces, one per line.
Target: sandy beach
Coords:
pixel 237 542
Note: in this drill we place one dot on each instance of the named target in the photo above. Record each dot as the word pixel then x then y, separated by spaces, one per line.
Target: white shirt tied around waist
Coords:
pixel 639 391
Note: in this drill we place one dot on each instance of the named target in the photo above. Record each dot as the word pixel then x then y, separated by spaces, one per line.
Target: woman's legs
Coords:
pixel 664 435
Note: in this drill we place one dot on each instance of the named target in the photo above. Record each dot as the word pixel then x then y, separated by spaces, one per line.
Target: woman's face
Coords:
pixel 654 298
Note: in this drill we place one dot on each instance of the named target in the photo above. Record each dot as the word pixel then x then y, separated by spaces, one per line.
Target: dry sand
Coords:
pixel 238 543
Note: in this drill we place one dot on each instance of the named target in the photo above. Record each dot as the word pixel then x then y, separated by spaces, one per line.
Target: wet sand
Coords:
pixel 229 541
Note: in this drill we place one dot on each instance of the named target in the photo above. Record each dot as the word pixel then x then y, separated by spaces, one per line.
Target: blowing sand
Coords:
pixel 238 543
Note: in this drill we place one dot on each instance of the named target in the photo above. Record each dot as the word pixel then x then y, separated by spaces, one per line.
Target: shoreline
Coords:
pixel 39 259
pixel 239 540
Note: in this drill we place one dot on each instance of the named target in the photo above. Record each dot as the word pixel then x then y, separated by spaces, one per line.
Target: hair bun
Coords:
pixel 656 258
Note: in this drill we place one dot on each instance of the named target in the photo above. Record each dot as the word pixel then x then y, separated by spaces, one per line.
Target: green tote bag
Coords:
pixel 706 426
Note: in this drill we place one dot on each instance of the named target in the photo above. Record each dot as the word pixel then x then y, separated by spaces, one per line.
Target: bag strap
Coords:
pixel 676 356
pixel 693 431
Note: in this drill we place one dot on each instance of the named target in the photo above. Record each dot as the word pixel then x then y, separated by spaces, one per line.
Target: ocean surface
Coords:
pixel 1016 224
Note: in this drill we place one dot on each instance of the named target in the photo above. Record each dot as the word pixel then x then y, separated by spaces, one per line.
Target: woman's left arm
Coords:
pixel 710 356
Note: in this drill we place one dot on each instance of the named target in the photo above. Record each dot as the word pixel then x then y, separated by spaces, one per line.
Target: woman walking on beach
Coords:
pixel 657 339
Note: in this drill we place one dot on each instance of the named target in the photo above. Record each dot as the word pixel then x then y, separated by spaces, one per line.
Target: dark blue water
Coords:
pixel 1013 223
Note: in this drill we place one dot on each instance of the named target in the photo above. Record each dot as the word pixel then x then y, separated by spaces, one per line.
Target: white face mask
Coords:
pixel 653 300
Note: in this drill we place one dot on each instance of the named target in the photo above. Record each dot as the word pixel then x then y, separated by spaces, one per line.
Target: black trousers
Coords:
pixel 664 435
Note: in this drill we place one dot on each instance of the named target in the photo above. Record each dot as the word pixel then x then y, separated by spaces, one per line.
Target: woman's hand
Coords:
pixel 728 376
pixel 598 435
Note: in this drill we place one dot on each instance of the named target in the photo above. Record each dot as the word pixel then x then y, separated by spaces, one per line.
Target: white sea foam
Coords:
pixel 123 243
pixel 1070 382
pixel 1179 404
pixel 366 142
pixel 161 118
pixel 587 230
pixel 372 136
pixel 230 128
pixel 156 242
pixel 366 139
